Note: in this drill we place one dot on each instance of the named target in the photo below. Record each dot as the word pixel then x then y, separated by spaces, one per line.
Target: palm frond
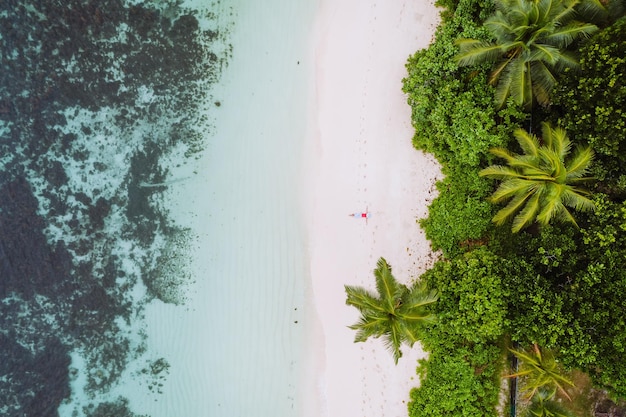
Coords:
pixel 474 52
pixel 417 315
pixel 510 209
pixel 361 298
pixel 551 161
pixel 503 153
pixel 511 188
pixel 528 167
pixel 543 405
pixel 392 341
pixel 519 374
pixel 579 164
pixel 499 172
pixel 551 206
pixel 566 13
pixel 413 313
pixel 370 326
pixel 527 141
pixel 581 180
pixel 503 90
pixel 558 146
pixel 541 95
pixel 410 335
pixel 541 372
pixel 510 52
pixel 563 215
pixel 521 87
pixel 504 5
pixel 592 10
pixel 526 357
pixel 574 198
pixel 538 34
pixel 569 59
pixel 548 409
pixel 419 296
pixel 547 134
pixel 565 35
pixel 527 215
pixel 543 81
pixel 499 26
pixel 547 9
pixel 520 166
pixel 388 288
pixel 545 53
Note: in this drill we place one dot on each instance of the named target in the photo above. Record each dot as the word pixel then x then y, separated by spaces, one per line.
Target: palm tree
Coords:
pixel 529 47
pixel 541 372
pixel 396 313
pixel 544 405
pixel 542 183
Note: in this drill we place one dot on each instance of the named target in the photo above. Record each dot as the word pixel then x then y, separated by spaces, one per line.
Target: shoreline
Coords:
pixel 364 161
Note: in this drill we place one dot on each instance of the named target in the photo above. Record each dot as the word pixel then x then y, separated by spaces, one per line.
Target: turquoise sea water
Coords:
pixel 153 256
pixel 237 346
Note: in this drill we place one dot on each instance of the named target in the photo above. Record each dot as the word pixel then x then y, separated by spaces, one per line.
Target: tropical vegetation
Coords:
pixel 509 283
pixel 543 404
pixel 540 183
pixel 541 372
pixel 396 313
pixel 530 44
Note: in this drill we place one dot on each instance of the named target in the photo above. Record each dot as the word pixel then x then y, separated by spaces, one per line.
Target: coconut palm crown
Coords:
pixel 542 183
pixel 396 313
pixel 529 47
pixel 541 372
pixel 544 404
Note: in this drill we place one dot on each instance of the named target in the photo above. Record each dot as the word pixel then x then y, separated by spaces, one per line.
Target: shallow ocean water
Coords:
pixel 153 255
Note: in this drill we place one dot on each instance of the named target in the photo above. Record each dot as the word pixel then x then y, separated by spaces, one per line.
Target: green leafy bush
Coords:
pixel 462 374
pixel 454 119
pixel 592 104
pixel 461 214
pixel 596 299
pixel 452 107
pixel 472 296
pixel 452 385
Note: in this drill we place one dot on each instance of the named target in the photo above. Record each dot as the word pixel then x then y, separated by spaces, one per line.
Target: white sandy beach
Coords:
pixel 365 160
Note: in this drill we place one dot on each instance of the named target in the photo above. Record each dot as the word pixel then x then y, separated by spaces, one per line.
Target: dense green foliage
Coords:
pixel 593 103
pixel 596 297
pixel 461 215
pixel 452 107
pixel 457 384
pixel 473 298
pixel 462 375
pixel 396 313
pixel 558 286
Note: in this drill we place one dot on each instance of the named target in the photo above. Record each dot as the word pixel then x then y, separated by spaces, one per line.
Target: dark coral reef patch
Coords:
pixel 94 94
